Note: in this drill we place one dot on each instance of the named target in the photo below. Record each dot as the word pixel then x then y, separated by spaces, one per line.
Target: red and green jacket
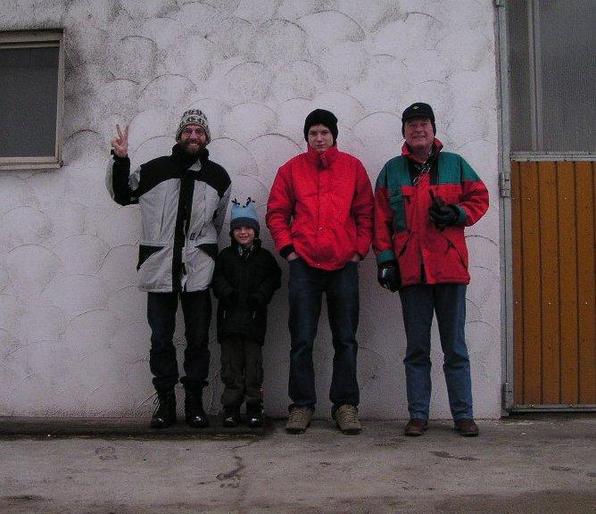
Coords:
pixel 321 207
pixel 404 232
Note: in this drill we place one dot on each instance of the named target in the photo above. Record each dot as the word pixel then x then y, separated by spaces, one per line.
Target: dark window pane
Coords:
pixel 552 75
pixel 28 101
pixel 568 74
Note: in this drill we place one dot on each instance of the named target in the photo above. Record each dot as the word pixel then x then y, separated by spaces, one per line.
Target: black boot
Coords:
pixel 193 409
pixel 254 414
pixel 165 411
pixel 231 416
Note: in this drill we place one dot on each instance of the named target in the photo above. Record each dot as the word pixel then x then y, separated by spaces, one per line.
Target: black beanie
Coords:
pixel 418 110
pixel 321 117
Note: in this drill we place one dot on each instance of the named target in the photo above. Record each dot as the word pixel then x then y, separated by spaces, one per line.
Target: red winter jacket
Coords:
pixel 403 229
pixel 321 206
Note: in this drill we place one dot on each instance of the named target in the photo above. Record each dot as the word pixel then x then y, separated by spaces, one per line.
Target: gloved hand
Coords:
pixel 389 277
pixel 442 214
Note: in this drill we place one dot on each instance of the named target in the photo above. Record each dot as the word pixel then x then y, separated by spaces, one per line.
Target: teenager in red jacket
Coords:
pixel 320 214
pixel 423 200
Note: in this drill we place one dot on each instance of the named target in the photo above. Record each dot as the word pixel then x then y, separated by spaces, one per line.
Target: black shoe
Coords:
pixel 231 417
pixel 164 414
pixel 254 415
pixel 193 409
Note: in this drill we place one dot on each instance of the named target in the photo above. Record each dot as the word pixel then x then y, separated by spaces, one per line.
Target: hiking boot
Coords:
pixel 231 417
pixel 416 427
pixel 164 414
pixel 193 409
pixel 298 420
pixel 254 415
pixel 346 418
pixel 466 427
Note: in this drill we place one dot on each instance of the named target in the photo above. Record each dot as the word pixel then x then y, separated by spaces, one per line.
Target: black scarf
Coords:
pixel 183 160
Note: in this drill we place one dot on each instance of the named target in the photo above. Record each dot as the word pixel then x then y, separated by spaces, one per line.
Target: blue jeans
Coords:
pixel 306 288
pixel 161 314
pixel 448 301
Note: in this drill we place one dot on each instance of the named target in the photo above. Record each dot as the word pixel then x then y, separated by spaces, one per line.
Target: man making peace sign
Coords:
pixel 183 199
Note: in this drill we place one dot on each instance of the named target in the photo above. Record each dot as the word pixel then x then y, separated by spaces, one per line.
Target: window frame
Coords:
pixel 51 38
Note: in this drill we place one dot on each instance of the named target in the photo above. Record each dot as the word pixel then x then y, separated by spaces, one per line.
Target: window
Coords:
pixel 552 75
pixel 31 92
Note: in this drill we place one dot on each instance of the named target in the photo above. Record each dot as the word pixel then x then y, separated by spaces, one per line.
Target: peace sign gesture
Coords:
pixel 120 143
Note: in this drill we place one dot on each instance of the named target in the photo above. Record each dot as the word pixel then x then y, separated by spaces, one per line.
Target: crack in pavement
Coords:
pixel 447 455
pixel 233 477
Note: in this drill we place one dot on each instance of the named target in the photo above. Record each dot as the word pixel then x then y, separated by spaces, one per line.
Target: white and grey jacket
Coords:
pixel 183 205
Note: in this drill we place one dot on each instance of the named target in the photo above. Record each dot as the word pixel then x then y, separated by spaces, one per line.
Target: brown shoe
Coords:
pixel 416 427
pixel 466 427
pixel 298 420
pixel 346 418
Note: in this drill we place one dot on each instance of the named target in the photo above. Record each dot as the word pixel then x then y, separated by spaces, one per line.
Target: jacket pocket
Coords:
pixel 155 270
pixel 450 255
pixel 210 249
pixel 456 243
pixel 400 201
pixel 146 251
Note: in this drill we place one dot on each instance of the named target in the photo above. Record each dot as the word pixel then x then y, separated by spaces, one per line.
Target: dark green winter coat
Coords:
pixel 244 285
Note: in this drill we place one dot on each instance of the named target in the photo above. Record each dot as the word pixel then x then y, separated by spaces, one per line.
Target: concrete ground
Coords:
pixel 524 464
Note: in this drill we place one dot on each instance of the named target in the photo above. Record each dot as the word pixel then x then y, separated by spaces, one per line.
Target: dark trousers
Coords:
pixel 448 302
pixel 306 288
pixel 161 314
pixel 241 371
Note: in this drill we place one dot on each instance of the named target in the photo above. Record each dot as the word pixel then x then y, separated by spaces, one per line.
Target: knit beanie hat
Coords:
pixel 244 215
pixel 418 110
pixel 322 117
pixel 193 117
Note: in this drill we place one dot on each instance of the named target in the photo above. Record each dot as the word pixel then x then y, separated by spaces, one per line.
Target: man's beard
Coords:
pixel 185 145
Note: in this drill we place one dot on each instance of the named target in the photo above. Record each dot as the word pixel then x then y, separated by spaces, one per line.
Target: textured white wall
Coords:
pixel 73 335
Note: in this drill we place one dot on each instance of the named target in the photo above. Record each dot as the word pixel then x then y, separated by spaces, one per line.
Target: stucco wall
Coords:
pixel 73 335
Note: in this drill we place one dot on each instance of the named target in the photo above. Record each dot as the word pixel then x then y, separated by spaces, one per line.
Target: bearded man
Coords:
pixel 183 199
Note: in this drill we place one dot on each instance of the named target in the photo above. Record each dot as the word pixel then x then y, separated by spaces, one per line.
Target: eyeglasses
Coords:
pixel 190 131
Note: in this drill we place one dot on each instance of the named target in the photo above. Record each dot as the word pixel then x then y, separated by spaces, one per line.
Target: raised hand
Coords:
pixel 120 143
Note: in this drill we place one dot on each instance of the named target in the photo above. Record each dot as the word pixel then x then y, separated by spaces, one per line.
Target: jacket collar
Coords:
pixel 184 160
pixel 256 244
pixel 436 148
pixel 322 160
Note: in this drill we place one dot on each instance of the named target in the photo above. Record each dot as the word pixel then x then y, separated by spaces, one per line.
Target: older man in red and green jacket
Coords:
pixel 424 199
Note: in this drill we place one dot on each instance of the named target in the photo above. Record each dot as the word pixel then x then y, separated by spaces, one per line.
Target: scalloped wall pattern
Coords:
pixel 73 335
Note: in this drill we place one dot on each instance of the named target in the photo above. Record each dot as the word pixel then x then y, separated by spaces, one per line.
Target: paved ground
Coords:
pixel 529 465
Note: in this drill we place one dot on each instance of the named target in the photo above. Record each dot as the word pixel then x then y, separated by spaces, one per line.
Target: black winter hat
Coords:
pixel 418 110
pixel 322 117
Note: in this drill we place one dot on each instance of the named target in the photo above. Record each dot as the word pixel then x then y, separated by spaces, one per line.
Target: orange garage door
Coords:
pixel 554 319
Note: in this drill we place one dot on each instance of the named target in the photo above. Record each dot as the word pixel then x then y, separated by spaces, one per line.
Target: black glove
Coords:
pixel 389 277
pixel 442 214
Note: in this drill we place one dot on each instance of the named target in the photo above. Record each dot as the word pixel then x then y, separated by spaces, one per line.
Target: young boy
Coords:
pixel 244 280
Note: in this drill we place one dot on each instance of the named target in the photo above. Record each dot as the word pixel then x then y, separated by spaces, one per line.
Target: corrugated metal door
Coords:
pixel 554 220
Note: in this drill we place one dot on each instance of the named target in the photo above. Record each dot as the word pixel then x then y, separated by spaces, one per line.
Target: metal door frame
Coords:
pixel 506 250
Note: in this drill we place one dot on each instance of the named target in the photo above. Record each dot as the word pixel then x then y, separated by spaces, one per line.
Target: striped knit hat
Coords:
pixel 193 117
